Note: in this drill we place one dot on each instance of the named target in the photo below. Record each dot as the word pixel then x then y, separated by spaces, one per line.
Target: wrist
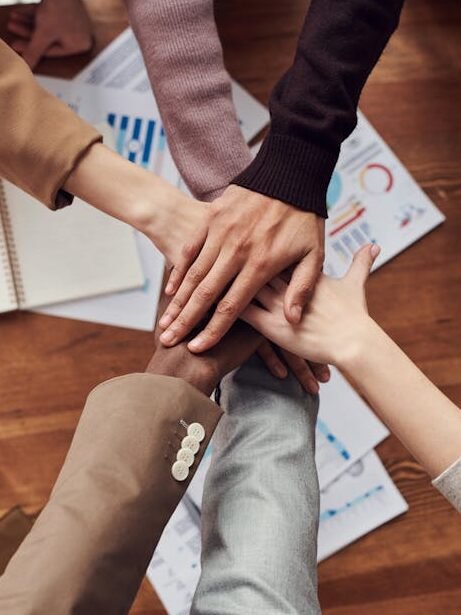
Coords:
pixel 353 350
pixel 115 186
pixel 199 373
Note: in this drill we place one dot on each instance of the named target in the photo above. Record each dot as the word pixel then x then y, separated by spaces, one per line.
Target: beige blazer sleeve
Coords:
pixel 42 139
pixel 89 549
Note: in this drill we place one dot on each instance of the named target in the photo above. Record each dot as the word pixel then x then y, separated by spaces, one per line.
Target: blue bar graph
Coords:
pixel 135 137
pixel 360 499
pixel 323 428
pixel 148 143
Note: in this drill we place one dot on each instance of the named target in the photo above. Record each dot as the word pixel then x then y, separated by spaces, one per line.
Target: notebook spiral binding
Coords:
pixel 8 255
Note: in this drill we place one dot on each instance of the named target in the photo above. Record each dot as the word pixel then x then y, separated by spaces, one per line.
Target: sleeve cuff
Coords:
pixel 60 198
pixel 449 484
pixel 292 171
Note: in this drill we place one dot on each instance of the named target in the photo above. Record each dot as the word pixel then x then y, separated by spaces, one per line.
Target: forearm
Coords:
pixel 262 483
pixel 313 107
pixel 42 139
pixel 183 56
pixel 422 417
pixel 125 191
pixel 118 187
pixel 88 550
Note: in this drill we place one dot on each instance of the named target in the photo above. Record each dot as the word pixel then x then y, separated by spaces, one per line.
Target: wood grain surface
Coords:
pixel 48 365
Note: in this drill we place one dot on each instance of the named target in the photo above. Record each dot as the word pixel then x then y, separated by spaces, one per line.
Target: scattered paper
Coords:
pixel 134 309
pixel 133 117
pixel 121 66
pixel 373 198
pixel 359 501
pixel 346 429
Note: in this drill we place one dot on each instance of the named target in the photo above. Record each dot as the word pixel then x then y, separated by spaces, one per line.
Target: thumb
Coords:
pixel 362 263
pixel 301 285
pixel 36 49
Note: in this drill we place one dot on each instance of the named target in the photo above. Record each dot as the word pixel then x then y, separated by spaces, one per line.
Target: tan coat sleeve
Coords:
pixel 91 545
pixel 42 139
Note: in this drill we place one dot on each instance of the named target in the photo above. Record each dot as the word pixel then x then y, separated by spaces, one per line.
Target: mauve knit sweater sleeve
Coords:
pixel 183 56
pixel 314 105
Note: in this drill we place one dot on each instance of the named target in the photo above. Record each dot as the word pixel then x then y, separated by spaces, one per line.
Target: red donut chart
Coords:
pixel 376 178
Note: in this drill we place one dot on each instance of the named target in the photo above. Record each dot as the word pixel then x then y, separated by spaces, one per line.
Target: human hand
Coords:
pixel 333 321
pixel 204 371
pixel 51 29
pixel 246 240
pixel 279 361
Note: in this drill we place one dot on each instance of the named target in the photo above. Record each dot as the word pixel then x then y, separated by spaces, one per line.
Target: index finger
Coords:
pixel 243 289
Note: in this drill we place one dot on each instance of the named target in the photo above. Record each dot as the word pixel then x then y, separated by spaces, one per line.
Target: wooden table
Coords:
pixel 413 564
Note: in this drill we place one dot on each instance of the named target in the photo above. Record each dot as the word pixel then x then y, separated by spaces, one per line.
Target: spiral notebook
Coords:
pixel 49 257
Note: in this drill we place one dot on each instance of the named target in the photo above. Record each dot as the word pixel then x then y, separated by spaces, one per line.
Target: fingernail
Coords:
pixel 165 321
pixel 167 337
pixel 296 312
pixel 281 372
pixel 196 344
pixel 324 376
pixel 314 388
pixel 169 288
pixel 375 250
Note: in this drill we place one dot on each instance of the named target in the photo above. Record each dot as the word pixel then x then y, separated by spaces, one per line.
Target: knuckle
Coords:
pixel 227 307
pixel 188 251
pixel 259 263
pixel 212 333
pixel 204 293
pixel 213 212
pixel 237 247
pixel 195 275
pixel 176 305
pixel 181 322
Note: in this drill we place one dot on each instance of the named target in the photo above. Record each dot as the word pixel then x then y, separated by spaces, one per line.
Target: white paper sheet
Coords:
pixel 359 501
pixel 373 198
pixel 134 309
pixel 120 65
pixel 346 429
pixel 175 568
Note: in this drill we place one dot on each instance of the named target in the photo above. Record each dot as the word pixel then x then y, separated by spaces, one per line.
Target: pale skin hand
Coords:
pixel 246 240
pixel 337 329
pixel 51 29
pixel 332 320
pixel 145 201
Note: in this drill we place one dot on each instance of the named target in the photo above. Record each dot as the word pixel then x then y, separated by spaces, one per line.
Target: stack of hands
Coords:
pixel 335 328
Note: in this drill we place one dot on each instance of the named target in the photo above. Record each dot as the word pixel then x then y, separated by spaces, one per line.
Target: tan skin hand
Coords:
pixel 51 29
pixel 246 240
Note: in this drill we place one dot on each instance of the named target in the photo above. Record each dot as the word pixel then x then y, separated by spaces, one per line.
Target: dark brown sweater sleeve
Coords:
pixel 314 106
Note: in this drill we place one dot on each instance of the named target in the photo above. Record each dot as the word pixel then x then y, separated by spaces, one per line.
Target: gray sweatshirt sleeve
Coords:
pixel 449 484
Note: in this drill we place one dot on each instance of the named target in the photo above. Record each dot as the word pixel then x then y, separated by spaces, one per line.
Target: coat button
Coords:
pixel 180 471
pixel 191 443
pixel 197 431
pixel 186 455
